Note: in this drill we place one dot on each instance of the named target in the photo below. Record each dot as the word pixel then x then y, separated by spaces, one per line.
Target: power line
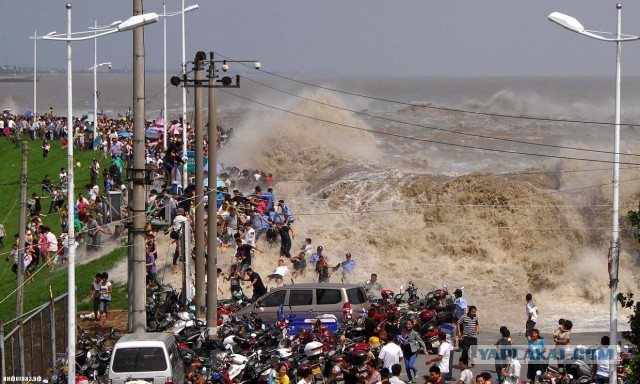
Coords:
pixel 521 117
pixel 421 139
pixel 435 128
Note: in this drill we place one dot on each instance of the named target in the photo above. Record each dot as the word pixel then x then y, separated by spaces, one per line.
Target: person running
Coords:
pixel 322 269
pixel 244 254
pixel 286 235
pixel 348 265
pixel 234 278
pixel 412 345
pixel 256 283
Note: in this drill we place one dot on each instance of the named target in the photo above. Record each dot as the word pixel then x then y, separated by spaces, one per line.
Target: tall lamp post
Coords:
pixel 129 24
pixel 184 103
pixel 35 77
pixel 96 94
pixel 574 25
pixel 164 87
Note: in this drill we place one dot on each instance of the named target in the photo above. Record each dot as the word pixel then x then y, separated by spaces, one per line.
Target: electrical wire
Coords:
pixel 435 128
pixel 521 117
pixel 421 139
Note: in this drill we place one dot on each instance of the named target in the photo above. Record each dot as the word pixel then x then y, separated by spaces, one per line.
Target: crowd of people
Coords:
pixel 245 220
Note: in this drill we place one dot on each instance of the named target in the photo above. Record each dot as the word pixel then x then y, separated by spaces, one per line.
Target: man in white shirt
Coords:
pixel 442 360
pixel 391 353
pixel 179 220
pixel 532 314
pixel 279 273
pixel 511 374
pixel 249 235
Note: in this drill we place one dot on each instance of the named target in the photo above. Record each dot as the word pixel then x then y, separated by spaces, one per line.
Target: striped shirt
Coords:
pixel 468 326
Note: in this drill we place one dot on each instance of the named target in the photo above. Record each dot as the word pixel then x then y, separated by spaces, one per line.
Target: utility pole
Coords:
pixel 212 209
pixel 23 224
pixel 211 82
pixel 136 255
pixel 199 198
pixel 21 251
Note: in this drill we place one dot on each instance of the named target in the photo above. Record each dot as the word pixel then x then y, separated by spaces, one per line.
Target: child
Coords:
pixel 94 292
pixel 466 376
pixel 559 329
pixel 105 297
pixel 273 372
pixel 501 345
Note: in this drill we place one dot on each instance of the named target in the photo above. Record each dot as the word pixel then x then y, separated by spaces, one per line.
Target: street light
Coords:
pixel 129 24
pixel 184 103
pixel 164 88
pixel 35 78
pixel 100 65
pixel 95 79
pixel 574 25
pixel 95 89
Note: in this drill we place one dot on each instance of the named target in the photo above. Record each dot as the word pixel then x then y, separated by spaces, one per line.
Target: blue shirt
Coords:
pixel 461 306
pixel 286 212
pixel 151 260
pixel 535 350
pixel 274 218
pixel 270 199
pixel 348 266
pixel 265 222
pixel 314 259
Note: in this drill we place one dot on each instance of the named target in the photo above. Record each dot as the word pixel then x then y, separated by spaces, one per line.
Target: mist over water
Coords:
pixel 425 203
pixel 500 224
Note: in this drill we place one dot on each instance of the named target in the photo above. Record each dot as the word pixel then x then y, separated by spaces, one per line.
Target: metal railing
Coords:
pixel 30 346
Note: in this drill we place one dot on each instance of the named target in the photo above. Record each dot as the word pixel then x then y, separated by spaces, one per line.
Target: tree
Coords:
pixel 632 335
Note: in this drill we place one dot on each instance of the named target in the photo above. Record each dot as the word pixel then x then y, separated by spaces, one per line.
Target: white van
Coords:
pixel 152 357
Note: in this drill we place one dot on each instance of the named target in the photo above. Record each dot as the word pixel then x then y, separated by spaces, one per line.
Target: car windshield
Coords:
pixel 139 359
pixel 357 295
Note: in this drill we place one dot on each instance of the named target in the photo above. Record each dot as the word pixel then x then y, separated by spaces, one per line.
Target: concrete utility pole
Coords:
pixel 21 251
pixel 198 82
pixel 212 209
pixel 21 234
pixel 199 198
pixel 137 256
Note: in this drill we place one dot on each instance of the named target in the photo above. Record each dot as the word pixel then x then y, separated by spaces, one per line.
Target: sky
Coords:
pixel 350 37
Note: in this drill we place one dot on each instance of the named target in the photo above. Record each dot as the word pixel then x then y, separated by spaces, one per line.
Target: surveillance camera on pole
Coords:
pixel 211 82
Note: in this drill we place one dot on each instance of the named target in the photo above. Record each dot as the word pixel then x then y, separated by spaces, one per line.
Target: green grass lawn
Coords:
pixel 38 292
